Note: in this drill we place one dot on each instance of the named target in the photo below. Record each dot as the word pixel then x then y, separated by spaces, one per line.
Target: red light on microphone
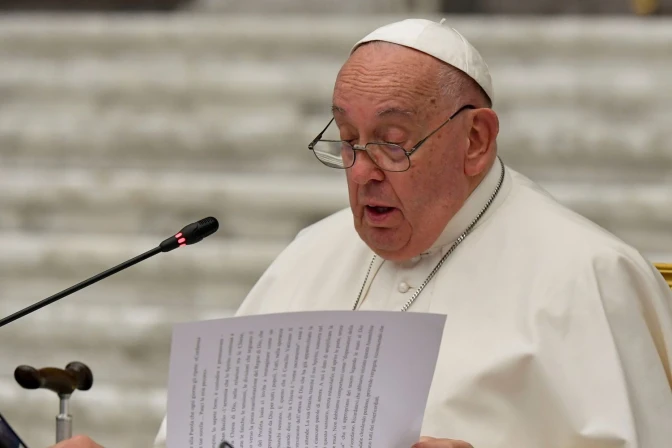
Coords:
pixel 182 245
pixel 179 235
pixel 181 240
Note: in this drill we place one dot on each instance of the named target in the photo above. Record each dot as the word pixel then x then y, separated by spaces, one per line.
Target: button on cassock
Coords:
pixel 403 287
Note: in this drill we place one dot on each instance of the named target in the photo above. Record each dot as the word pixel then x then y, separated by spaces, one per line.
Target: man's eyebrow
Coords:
pixel 396 111
pixel 381 113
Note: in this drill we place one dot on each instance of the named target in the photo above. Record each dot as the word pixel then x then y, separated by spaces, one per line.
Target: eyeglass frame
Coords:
pixel 355 148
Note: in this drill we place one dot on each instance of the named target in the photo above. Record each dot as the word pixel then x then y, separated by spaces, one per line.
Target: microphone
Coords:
pixel 191 234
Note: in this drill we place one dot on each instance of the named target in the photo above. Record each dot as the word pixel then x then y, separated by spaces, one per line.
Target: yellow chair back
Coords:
pixel 666 270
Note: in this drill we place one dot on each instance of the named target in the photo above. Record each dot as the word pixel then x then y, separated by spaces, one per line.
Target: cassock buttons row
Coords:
pixel 403 287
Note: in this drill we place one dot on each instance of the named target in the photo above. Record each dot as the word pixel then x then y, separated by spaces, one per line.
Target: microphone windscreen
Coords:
pixel 207 226
pixel 191 234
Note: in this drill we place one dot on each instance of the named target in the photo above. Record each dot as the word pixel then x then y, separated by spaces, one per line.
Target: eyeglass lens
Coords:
pixel 337 154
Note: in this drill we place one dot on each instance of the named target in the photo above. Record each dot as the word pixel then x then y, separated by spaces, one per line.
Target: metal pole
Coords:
pixel 64 419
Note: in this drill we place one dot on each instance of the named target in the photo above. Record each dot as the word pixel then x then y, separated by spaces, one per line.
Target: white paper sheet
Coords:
pixel 327 379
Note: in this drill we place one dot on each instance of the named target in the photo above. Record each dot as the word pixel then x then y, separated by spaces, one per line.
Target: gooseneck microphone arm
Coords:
pixel 191 234
pixel 77 287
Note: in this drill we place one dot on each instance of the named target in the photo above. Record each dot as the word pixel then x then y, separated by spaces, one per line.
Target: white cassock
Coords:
pixel 558 334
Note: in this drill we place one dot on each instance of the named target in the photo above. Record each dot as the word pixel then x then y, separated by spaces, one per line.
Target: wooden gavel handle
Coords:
pixel 76 376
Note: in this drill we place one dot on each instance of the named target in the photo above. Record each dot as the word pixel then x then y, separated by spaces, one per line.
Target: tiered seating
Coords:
pixel 116 132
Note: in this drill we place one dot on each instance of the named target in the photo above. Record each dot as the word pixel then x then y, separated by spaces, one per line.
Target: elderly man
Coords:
pixel 558 334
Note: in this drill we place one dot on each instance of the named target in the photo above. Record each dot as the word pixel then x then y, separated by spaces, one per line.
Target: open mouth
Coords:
pixel 377 213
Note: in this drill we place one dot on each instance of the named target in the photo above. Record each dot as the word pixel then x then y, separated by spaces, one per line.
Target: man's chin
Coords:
pixel 384 242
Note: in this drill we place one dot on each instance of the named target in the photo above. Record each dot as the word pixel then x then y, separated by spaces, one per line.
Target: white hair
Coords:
pixel 456 85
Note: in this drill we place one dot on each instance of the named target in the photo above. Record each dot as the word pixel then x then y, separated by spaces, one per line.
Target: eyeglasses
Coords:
pixel 341 154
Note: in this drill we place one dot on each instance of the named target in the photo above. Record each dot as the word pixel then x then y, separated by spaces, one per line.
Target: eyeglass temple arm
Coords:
pixel 319 136
pixel 417 145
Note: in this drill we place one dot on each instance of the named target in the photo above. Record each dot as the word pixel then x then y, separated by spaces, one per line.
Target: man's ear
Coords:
pixel 482 141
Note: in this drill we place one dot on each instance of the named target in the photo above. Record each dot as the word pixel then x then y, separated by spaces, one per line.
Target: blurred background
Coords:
pixel 123 120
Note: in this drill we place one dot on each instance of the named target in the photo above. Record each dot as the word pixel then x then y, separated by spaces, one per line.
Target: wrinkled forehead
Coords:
pixel 388 76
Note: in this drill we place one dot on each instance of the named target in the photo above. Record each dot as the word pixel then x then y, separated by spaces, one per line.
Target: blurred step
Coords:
pixel 215 86
pixel 198 34
pixel 145 308
pixel 284 7
pixel 87 325
pixel 83 255
pixel 654 246
pixel 643 206
pixel 264 139
pixel 144 365
pixel 139 203
pixel 153 297
pixel 170 80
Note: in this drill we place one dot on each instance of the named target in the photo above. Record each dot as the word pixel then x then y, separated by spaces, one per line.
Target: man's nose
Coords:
pixel 364 170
